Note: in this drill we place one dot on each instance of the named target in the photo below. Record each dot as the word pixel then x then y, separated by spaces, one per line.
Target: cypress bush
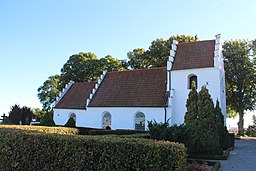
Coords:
pixel 21 150
pixel 201 120
pixel 70 123
pixel 225 141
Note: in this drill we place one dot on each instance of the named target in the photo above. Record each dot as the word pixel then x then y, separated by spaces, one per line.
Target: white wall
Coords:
pixel 179 84
pixel 121 117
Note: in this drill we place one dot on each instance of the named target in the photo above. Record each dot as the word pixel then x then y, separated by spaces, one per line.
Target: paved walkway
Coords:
pixel 242 158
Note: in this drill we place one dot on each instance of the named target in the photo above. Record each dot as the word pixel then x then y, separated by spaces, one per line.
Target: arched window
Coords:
pixel 192 81
pixel 72 115
pixel 140 121
pixel 106 120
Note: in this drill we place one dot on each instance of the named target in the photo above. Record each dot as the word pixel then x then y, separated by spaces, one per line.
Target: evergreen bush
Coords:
pixel 225 141
pixel 201 120
pixel 251 130
pixel 70 123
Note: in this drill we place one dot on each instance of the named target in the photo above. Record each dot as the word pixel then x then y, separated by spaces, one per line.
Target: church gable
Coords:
pixel 76 96
pixel 134 88
pixel 193 55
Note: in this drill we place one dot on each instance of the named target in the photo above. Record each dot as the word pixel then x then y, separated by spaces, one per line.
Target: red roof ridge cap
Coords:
pixel 196 42
pixel 134 70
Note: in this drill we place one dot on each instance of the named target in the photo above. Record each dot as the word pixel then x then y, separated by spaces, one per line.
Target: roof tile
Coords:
pixel 194 55
pixel 76 96
pixel 135 88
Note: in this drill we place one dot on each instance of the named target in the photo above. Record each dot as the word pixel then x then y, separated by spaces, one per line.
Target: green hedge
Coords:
pixel 232 139
pixel 38 151
pixel 114 132
pixel 52 129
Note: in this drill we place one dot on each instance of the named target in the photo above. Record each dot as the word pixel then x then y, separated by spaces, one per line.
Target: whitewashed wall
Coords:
pixel 121 117
pixel 179 84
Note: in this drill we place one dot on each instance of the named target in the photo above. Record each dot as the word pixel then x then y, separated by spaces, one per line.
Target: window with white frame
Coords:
pixel 140 121
pixel 73 116
pixel 106 120
pixel 192 81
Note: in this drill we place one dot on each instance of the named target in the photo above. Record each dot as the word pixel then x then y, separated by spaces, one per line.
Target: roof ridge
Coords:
pixel 134 70
pixel 196 41
pixel 93 82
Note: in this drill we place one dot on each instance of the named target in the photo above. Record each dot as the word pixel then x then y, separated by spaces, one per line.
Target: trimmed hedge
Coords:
pixel 114 132
pixel 21 150
pixel 232 139
pixel 52 129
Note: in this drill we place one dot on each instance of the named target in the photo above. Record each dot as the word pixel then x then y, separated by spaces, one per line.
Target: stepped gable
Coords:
pixel 194 55
pixel 76 96
pixel 133 88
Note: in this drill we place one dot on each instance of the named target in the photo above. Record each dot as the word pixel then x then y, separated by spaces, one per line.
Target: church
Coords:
pixel 129 99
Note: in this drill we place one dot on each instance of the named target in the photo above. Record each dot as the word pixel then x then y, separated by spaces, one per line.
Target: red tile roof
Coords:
pixel 194 55
pixel 134 88
pixel 139 88
pixel 76 96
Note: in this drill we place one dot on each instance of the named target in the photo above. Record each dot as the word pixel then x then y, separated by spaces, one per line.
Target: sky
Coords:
pixel 38 37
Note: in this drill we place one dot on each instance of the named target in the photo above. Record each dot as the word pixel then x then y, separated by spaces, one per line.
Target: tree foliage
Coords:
pixel 49 91
pixel 82 67
pixel 201 120
pixel 19 115
pixel 47 119
pixel 157 53
pixel 15 114
pixel 240 77
pixel 192 108
pixel 26 116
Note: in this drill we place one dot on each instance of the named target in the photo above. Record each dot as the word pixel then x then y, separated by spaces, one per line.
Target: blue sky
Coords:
pixel 38 37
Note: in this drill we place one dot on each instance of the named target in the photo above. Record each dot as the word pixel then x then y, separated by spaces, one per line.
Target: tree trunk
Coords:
pixel 241 123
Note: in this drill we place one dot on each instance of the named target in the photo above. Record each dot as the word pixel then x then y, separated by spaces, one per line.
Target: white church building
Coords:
pixel 128 99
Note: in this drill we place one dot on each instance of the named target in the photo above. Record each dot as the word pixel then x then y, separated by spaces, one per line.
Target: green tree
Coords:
pixel 39 114
pixel 15 114
pixel 222 130
pixel 82 67
pixel 192 108
pixel 47 119
pixel 19 115
pixel 157 54
pixel 240 77
pixel 26 116
pixel 49 91
pixel 137 58
pixel 110 63
pixel 209 140
pixel 201 121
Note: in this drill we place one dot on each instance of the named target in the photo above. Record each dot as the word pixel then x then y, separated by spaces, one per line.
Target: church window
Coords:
pixel 106 120
pixel 192 81
pixel 140 121
pixel 73 116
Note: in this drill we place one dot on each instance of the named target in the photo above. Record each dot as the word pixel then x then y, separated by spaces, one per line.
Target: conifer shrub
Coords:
pixel 39 151
pixel 225 141
pixel 251 130
pixel 71 123
pixel 201 120
pixel 163 131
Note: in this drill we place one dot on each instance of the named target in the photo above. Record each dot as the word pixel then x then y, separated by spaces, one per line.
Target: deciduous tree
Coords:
pixel 240 77
pixel 49 91
pixel 157 54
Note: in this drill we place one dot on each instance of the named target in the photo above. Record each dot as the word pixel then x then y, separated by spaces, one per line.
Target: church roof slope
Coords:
pixel 76 96
pixel 134 88
pixel 194 55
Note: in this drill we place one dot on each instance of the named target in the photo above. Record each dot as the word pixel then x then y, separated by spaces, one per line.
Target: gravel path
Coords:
pixel 242 158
